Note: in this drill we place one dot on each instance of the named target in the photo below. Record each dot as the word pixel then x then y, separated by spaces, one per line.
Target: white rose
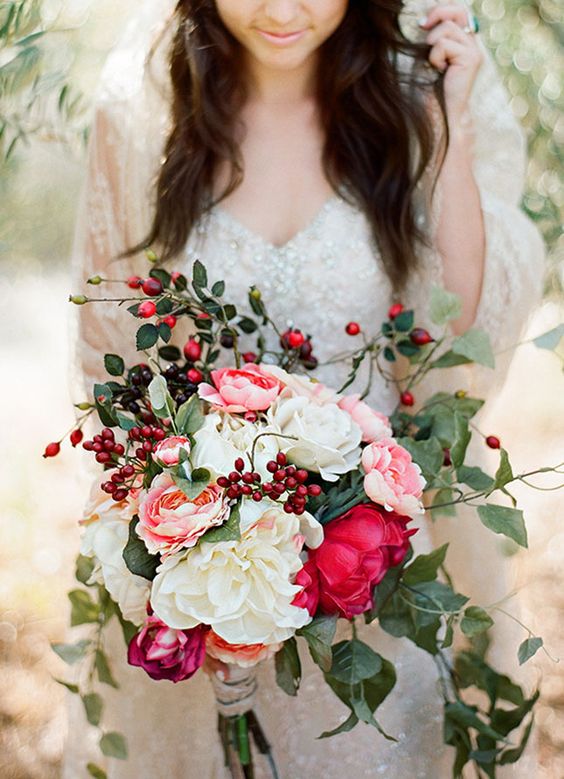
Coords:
pixel 223 438
pixel 328 439
pixel 243 589
pixel 106 530
pixel 304 386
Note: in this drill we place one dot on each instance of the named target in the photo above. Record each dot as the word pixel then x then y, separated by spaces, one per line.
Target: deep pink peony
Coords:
pixel 308 578
pixel 238 390
pixel 358 549
pixel 165 653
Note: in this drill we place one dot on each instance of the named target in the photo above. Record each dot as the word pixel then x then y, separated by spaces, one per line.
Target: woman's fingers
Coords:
pixel 213 666
pixel 448 29
pixel 444 52
pixel 454 12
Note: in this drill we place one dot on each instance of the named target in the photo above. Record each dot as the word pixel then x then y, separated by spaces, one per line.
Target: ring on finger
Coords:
pixel 473 25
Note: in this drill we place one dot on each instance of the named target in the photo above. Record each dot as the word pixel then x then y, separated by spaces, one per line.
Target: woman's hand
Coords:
pixel 455 53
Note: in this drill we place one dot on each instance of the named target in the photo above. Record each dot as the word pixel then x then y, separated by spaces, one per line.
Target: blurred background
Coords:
pixel 50 58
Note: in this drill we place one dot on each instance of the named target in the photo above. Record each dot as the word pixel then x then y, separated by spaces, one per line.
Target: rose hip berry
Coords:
pixel 147 309
pixel 420 337
pixel 395 310
pixel 134 282
pixel 192 350
pixel 76 437
pixel 194 376
pixel 407 399
pixel 249 357
pixel 152 287
pixel 170 320
pixel 52 450
pixel 493 442
pixel 353 328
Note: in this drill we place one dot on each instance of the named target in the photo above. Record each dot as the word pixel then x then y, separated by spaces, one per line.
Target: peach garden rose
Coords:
pixel 392 479
pixel 238 390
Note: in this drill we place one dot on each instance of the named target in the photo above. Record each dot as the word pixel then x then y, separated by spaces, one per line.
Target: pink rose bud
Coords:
pixel 165 653
pixel 167 451
pixel 240 390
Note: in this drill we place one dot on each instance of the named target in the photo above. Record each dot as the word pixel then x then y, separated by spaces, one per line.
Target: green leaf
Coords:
pixel 247 325
pixel 354 661
pixel 288 667
pixel 476 346
pixel 438 595
pixel 84 568
pixel 218 289
pixel 319 635
pixel 462 438
pixel 113 745
pixel 389 354
pixel 96 771
pixel 74 688
pixel 161 275
pixel 474 477
pixel 165 332
pixel 475 621
pixel 504 473
pixel 199 274
pixel 83 608
pixel 93 706
pixel 189 417
pixel 443 496
pixel 344 727
pixel 71 653
pixel 462 714
pixel 425 567
pixel 103 670
pixel 136 555
pixel 528 648
pixel 161 400
pixel 403 323
pixel 505 521
pixel 407 348
pixel 550 339
pixel 229 531
pixel 513 755
pixel 192 487
pixel 114 364
pixel 126 423
pixel 170 353
pixel 147 336
pixel 427 454
pixel 444 306
pixel 449 360
pixel 164 307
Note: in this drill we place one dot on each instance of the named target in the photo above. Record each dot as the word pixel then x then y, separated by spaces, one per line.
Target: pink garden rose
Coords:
pixel 392 478
pixel 243 655
pixel 358 549
pixel 167 451
pixel 239 390
pixel 374 425
pixel 169 521
pixel 165 653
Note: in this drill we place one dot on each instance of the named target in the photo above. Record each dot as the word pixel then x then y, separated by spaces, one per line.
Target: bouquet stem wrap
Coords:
pixel 238 723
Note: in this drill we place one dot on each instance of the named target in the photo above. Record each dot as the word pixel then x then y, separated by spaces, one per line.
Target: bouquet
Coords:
pixel 243 508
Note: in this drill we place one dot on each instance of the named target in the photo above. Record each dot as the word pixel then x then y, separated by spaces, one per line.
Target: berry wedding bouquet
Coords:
pixel 242 505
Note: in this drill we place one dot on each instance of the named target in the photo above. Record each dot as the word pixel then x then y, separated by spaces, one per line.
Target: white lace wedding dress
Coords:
pixel 324 276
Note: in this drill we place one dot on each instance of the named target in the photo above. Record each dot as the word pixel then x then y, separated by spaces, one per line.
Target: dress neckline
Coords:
pixel 243 231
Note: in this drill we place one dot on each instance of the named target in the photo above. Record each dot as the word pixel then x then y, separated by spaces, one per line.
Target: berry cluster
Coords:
pixel 148 437
pixel 286 479
pixel 294 340
pixel 117 487
pixel 105 447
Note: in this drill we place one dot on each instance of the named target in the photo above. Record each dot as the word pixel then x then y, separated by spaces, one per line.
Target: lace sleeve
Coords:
pixel 515 253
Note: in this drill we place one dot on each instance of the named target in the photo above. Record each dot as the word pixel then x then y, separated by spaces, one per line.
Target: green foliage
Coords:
pixel 504 520
pixel 319 635
pixel 114 745
pixel 137 557
pixel 229 531
pixel 288 667
pixel 528 648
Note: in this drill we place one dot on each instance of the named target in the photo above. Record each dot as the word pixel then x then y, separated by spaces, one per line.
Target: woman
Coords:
pixel 300 154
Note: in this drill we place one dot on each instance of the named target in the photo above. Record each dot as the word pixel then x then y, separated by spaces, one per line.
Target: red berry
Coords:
pixel 108 434
pixel 152 287
pixel 291 483
pixel 251 416
pixel 170 320
pixel 281 458
pixel 134 282
pixel 299 510
pixel 147 446
pixel 52 450
pixel 223 481
pixel 194 376
pixel 493 442
pixel 353 328
pixel 119 450
pixel 134 434
pixel 395 310
pixel 147 309
pixel 301 475
pixel 246 490
pixel 314 490
pixel 407 399
pixel 278 488
pixel 120 495
pixel 141 454
pixel 271 466
pixel 301 491
pixel 420 337
pixel 76 437
pixel 118 478
pixel 159 434
pixel 103 457
pixel 234 476
pixel 146 431
pixel 109 487
pixel 257 496
pixel 257 478
pixel 295 339
pixel 279 475
pixel 288 508
pixel 233 492
pixel 128 470
pixel 250 357
pixel 268 486
pixel 192 350
pixel 306 349
pixel 240 464
pixel 88 445
pixel 97 447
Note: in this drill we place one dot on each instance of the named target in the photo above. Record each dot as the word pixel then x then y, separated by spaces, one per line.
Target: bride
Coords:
pixel 297 145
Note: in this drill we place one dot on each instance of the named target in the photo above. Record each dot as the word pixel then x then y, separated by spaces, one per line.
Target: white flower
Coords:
pixel 328 440
pixel 106 530
pixel 223 438
pixel 304 386
pixel 243 589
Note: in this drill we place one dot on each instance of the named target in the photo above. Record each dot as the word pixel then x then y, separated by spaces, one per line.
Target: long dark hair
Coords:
pixel 379 134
